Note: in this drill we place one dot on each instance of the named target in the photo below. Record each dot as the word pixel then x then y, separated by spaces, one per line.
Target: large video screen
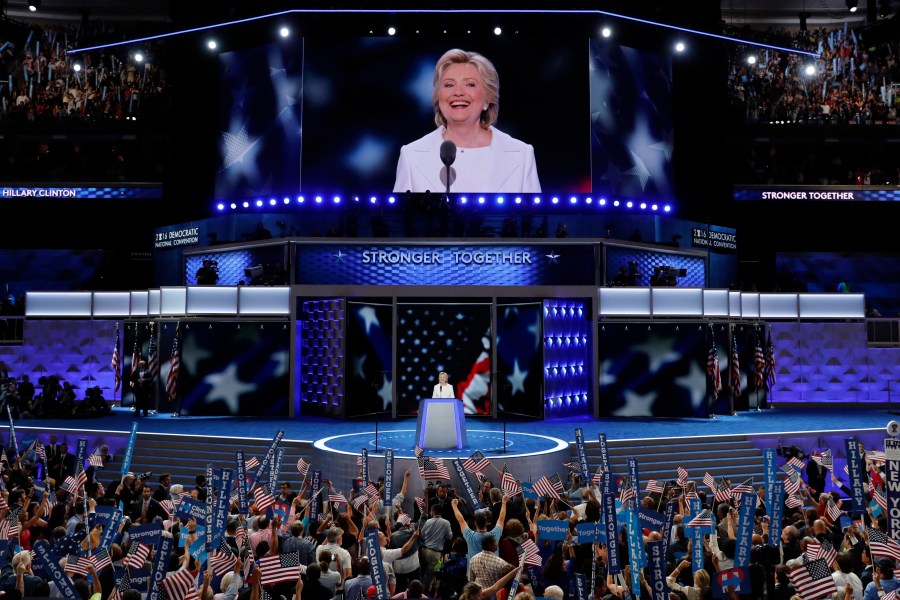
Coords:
pixel 573 115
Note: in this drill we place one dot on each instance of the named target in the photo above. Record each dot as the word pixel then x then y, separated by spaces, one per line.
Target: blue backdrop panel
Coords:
pixel 232 264
pixel 235 368
pixel 656 370
pixel 368 376
pixel 472 264
pixel 520 359
pixel 567 357
pixel 616 256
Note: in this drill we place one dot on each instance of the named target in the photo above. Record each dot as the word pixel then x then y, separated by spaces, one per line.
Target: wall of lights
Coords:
pixel 567 357
pixel 320 357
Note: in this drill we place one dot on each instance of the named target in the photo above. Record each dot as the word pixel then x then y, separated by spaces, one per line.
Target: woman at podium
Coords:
pixel 443 389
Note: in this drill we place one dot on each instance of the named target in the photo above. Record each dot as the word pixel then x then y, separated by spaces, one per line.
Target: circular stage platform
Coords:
pixel 527 455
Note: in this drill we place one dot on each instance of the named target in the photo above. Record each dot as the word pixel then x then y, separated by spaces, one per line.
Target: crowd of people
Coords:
pixel 852 83
pixel 430 546
pixel 56 398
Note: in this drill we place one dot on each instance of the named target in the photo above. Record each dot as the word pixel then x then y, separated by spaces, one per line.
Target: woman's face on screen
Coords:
pixel 462 95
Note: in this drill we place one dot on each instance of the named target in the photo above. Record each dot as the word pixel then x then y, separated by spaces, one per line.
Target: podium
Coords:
pixel 441 424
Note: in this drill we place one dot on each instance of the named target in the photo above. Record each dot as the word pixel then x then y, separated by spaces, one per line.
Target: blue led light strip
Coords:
pixel 445 12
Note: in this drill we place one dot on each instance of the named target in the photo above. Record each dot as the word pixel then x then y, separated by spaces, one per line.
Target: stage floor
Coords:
pixel 310 429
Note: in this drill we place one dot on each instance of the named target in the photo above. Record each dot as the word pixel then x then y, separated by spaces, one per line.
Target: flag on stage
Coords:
pixel 153 360
pixel 174 365
pixel 137 555
pixel 114 363
pixel 882 545
pixel 712 366
pixel 812 579
pixel 178 584
pixel 279 568
pixel 136 352
pixel 302 467
pixel 508 482
pixel 476 463
pixel 734 368
pixel 432 468
pixel 759 363
pixel 770 362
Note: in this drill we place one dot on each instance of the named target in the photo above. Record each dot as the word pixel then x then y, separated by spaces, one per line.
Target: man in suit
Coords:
pixel 142 385
pixel 63 465
pixel 145 508
pixel 162 492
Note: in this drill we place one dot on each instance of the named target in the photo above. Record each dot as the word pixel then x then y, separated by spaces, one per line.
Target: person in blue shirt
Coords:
pixel 883 581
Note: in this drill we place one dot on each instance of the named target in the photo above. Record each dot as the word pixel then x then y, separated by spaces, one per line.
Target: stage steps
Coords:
pixel 733 457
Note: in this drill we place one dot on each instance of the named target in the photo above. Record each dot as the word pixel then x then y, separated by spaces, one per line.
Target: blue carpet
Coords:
pixel 769 421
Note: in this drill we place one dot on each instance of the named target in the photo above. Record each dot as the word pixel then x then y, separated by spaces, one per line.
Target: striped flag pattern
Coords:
pixel 302 467
pixel 263 498
pixel 734 369
pixel 477 463
pixel 882 545
pixel 812 579
pixel 544 487
pixel 759 364
pixel 115 362
pixel 279 568
pixel 137 555
pixel 508 482
pixel 174 365
pixel 432 469
pixel 770 362
pixel 712 366
pixel 178 584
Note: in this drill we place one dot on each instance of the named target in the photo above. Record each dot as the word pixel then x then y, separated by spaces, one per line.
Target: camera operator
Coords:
pixel 208 274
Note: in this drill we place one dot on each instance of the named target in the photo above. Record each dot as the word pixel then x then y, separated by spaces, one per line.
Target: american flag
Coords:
pixel 101 559
pixel 770 362
pixel 703 519
pixel 723 491
pixel 876 456
pixel 359 502
pixel 78 565
pixel 508 482
pixel 39 450
pixel 626 491
pixel 114 363
pixel 420 502
pixel 476 463
pixel 432 468
pixel 174 365
pixel 137 555
pixel 403 519
pixel 337 497
pixel 74 484
pixel 264 499
pixel 240 537
pixel 824 550
pixel 371 490
pixel 169 507
pixel 712 367
pixel 746 487
pixel 178 584
pixel 251 463
pixel 136 352
pixel 879 498
pixel 759 363
pixel 532 554
pixel 279 568
pixel 825 459
pixel 794 501
pixel 96 459
pixel 153 360
pixel 419 451
pixel 792 483
pixel 597 479
pixel 812 579
pixel 302 467
pixel 882 545
pixel 709 481
pixel 654 488
pixel 832 511
pixel 682 476
pixel 545 487
pixel 892 595
pixel 572 466
pixel 123 585
pixel 734 368
pixel 796 462
pixel 222 559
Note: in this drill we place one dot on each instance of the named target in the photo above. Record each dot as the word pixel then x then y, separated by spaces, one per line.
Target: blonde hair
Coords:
pixel 489 77
pixel 701 578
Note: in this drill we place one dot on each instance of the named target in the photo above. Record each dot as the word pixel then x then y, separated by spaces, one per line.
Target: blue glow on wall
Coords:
pixel 320 357
pixel 567 357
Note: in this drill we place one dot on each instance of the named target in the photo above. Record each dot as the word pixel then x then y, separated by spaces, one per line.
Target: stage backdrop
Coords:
pixel 653 369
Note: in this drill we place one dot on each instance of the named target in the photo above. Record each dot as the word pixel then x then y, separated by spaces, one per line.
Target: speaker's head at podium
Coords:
pixel 443 389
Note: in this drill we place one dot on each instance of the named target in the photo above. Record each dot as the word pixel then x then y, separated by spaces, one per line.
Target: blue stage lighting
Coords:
pixel 518 200
pixel 337 199
pixel 555 200
pixel 318 199
pixel 220 206
pixel 246 204
pixel 259 202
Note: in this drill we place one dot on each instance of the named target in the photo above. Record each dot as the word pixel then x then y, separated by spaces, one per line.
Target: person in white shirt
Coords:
pixel 443 389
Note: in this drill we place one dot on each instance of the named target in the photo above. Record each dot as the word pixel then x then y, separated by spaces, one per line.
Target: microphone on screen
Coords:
pixel 448 155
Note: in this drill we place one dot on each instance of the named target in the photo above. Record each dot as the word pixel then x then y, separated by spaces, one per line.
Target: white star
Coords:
pixel 659 351
pixel 237 146
pixel 517 379
pixel 358 362
pixel 606 372
pixel 339 256
pixel 535 329
pixel 664 147
pixel 227 387
pixel 369 317
pixel 639 170
pixel 695 383
pixel 386 392
pixel 553 257
pixel 636 405
pixel 191 353
pixel 282 363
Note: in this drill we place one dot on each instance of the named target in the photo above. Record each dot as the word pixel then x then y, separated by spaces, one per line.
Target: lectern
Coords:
pixel 441 424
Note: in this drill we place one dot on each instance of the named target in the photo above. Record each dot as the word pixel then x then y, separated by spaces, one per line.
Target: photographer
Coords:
pixel 208 274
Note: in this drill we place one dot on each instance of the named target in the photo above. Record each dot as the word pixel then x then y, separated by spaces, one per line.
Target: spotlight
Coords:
pixel 284 32
pixel 391 31
pixel 138 57
pixel 34 5
pixel 810 70
pixel 606 32
pixel 751 60
pixel 852 5
pixel 77 67
pixel 497 31
pixel 211 44
pixel 679 47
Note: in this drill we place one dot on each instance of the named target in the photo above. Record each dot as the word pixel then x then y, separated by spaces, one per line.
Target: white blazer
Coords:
pixel 443 391
pixel 511 168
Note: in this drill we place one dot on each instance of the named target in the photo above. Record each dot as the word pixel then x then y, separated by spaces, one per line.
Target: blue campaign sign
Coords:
pixel 149 533
pixel 735 578
pixel 651 519
pixel 528 490
pixel 591 532
pixel 553 529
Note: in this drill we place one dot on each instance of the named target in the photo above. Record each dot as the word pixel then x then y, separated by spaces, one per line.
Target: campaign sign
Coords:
pixel 736 579
pixel 553 529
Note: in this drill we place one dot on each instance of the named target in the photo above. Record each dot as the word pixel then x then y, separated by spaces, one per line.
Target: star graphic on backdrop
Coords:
pixel 385 392
pixel 608 375
pixel 659 351
pixel 695 383
pixel 639 170
pixel 238 146
pixel 282 362
pixel 358 362
pixel 517 379
pixel 226 386
pixel 535 329
pixel 339 256
pixel 636 405
pixel 191 353
pixel 553 257
pixel 369 317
